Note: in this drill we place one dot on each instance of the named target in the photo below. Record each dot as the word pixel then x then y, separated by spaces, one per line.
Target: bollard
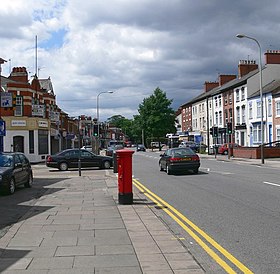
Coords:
pixel 124 158
pixel 115 162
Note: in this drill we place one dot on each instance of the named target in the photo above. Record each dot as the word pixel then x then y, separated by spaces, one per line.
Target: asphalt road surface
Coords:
pixel 236 204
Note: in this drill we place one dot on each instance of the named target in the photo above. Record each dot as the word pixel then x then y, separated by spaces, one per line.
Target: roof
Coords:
pixel 270 87
pixel 227 86
pixel 46 84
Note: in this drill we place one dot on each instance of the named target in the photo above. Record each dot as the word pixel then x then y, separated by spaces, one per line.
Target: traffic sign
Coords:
pixel 2 128
pixel 6 99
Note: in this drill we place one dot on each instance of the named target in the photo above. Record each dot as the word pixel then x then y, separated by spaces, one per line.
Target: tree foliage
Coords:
pixel 156 118
pixel 156 115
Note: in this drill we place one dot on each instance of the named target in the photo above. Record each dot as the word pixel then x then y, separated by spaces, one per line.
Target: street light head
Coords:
pixel 240 35
pixel 110 91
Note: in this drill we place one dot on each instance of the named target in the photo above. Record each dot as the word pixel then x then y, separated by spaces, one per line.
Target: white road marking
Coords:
pixel 268 183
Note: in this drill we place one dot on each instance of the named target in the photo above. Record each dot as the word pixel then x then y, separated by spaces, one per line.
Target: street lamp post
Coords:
pixel 2 61
pixel 97 113
pixel 261 92
pixel 79 140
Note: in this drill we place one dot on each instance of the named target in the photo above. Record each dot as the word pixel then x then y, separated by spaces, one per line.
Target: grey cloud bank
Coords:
pixel 132 47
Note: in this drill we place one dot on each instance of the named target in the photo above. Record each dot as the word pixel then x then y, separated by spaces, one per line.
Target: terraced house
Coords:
pixel 235 101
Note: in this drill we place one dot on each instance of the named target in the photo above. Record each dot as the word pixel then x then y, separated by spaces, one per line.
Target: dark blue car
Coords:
pixel 15 170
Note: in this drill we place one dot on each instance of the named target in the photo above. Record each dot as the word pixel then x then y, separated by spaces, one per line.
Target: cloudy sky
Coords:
pixel 132 47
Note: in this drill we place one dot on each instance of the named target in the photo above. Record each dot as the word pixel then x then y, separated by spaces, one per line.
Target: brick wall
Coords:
pixel 255 152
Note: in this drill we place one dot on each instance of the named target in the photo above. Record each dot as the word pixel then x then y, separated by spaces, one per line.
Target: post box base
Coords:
pixel 125 198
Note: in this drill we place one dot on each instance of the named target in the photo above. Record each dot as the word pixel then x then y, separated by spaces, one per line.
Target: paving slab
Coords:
pixel 81 228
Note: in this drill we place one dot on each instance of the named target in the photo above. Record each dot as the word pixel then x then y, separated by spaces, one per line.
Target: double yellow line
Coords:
pixel 195 232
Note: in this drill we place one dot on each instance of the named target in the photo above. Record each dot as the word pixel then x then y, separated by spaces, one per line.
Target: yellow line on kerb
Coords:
pixel 216 257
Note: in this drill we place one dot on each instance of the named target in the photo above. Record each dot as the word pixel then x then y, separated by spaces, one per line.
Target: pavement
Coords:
pixel 78 226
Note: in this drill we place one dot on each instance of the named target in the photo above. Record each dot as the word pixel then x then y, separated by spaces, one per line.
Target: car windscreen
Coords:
pixel 6 160
pixel 182 152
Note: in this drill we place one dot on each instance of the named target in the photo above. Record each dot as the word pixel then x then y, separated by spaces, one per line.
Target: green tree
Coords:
pixel 116 120
pixel 156 115
pixel 123 123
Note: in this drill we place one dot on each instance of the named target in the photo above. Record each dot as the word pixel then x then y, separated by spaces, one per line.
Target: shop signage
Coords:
pixel 43 124
pixel 18 123
pixel 54 116
pixel 38 110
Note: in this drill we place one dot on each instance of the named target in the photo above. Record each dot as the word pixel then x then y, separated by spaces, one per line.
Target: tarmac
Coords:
pixel 78 226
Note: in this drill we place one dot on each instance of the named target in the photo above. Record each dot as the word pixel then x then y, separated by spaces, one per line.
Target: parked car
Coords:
pixel 89 148
pixel 197 147
pixel 179 159
pixel 110 150
pixel 141 148
pixel 70 157
pixel 223 149
pixel 214 147
pixel 156 145
pixel 15 170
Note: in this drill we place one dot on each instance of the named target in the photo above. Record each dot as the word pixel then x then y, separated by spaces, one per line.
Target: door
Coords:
pixel 89 160
pixel 18 170
pixel 242 138
pixel 18 144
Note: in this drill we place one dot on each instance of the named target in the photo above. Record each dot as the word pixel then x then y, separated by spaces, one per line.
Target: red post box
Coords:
pixel 124 159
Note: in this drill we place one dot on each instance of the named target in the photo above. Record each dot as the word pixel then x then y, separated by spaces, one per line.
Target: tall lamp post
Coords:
pixel 97 113
pixel 2 61
pixel 261 92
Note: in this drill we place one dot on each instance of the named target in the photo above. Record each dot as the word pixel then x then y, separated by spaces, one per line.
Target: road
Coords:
pixel 235 203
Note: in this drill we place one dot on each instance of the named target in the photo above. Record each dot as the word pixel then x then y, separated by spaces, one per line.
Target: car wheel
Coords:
pixel 168 171
pixel 63 166
pixel 225 152
pixel 29 182
pixel 12 186
pixel 106 164
pixel 195 171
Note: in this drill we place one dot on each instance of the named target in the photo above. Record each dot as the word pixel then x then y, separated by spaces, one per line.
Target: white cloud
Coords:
pixel 132 46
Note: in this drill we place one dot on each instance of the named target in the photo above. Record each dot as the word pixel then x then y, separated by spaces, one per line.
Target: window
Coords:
pixel 242 94
pixel 220 118
pixel 237 137
pixel 259 109
pixel 250 110
pixel 216 101
pixel 19 106
pixel 237 95
pixel 277 108
pixel 238 115
pixel 243 114
pixel 220 101
pixel 269 108
pixel 230 114
pixel 230 99
pixel 225 99
pixel 43 141
pixel 216 118
pixel 31 141
pixel 226 116
pixel 257 134
pixel 278 134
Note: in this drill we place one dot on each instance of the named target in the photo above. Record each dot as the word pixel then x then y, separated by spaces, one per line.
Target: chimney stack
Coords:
pixel 223 78
pixel 272 57
pixel 19 74
pixel 246 66
pixel 210 85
